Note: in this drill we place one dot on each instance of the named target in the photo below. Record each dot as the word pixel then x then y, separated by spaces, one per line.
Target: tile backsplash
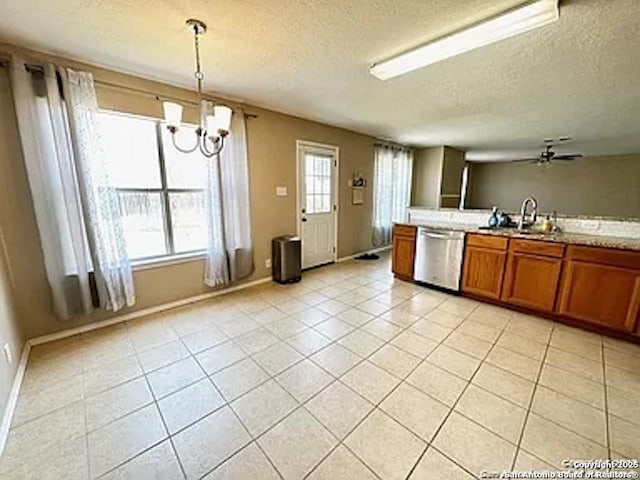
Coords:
pixel 592 226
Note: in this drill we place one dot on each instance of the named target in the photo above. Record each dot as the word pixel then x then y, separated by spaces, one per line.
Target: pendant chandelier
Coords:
pixel 214 119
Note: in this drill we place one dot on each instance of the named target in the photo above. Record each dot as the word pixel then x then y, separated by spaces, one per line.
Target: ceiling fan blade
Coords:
pixel 568 157
pixel 517 160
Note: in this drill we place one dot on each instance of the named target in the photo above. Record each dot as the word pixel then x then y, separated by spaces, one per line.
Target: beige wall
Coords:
pixel 427 176
pixel 590 186
pixel 437 176
pixel 10 194
pixel 10 333
pixel 272 162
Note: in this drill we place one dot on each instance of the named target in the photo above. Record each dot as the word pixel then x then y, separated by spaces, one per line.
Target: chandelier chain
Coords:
pixel 198 73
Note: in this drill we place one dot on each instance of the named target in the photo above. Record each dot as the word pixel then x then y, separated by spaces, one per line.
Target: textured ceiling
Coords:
pixel 579 76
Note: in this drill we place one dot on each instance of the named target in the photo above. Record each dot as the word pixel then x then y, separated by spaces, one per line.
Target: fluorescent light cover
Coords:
pixel 514 22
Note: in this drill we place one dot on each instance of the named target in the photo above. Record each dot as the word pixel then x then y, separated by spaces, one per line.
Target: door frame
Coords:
pixel 336 193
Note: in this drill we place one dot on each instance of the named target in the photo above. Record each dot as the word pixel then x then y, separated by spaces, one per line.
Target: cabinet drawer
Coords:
pixel 605 256
pixel 404 231
pixel 537 247
pixel 487 241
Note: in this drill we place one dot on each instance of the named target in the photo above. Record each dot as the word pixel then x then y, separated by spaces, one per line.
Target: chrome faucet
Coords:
pixel 555 228
pixel 528 220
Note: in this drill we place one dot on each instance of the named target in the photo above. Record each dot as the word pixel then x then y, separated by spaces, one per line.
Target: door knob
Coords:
pixel 304 219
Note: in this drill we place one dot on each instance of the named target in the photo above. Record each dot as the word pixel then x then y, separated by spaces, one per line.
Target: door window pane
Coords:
pixel 309 164
pixel 131 150
pixel 310 207
pixel 189 221
pixel 323 166
pixel 325 203
pixel 143 224
pixel 310 184
pixel 184 170
pixel 318 183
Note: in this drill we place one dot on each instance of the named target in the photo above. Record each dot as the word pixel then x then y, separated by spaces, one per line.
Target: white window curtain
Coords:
pixel 392 190
pixel 77 212
pixel 230 249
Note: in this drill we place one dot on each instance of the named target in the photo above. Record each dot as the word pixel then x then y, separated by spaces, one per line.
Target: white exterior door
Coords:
pixel 317 203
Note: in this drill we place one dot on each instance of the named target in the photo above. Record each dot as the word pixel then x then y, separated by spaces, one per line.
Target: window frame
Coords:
pixel 165 199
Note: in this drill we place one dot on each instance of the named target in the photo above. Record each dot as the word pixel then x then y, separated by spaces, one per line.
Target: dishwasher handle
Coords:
pixel 439 236
pixel 435 235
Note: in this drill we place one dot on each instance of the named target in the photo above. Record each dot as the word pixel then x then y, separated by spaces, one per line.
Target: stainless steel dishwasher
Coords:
pixel 439 257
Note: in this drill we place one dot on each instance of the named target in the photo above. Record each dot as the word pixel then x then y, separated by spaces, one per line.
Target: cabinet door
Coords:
pixel 532 281
pixel 601 294
pixel 483 271
pixel 403 256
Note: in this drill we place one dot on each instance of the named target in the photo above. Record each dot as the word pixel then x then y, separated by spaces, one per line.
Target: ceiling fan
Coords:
pixel 548 155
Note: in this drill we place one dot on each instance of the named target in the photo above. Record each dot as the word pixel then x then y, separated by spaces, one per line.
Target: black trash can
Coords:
pixel 286 259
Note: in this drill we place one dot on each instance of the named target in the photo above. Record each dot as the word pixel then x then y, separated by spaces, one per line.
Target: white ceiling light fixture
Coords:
pixel 215 120
pixel 519 20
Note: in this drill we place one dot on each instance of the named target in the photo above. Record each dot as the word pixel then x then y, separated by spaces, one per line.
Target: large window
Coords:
pixel 161 190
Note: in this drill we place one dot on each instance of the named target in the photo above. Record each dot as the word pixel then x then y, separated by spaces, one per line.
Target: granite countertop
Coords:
pixel 516 213
pixel 561 237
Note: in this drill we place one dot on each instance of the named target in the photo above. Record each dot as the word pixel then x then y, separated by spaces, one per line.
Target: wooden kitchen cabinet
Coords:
pixel 404 249
pixel 532 275
pixel 484 264
pixel 602 286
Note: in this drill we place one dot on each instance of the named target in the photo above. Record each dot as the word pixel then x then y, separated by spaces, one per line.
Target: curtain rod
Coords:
pixel 34 67
pixel 392 145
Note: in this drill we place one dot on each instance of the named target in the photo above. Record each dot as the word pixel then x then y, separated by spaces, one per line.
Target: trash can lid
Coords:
pixel 287 238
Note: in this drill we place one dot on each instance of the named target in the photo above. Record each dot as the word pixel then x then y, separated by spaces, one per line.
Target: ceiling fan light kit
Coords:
pixel 215 120
pixel 513 22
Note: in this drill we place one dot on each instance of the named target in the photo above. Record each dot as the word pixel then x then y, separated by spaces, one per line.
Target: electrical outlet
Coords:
pixel 7 353
pixel 267 263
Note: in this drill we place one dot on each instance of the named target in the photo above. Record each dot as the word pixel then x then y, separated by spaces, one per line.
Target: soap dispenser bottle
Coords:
pixel 493 218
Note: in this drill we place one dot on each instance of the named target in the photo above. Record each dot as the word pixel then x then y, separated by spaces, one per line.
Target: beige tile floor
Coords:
pixel 346 375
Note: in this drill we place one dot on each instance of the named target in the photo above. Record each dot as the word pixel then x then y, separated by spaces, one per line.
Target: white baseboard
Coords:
pixel 143 312
pixel 375 250
pixel 12 401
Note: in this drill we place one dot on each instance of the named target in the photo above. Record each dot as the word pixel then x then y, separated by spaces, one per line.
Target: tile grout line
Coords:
pixel 86 427
pixel 531 400
pixel 235 414
pixel 607 420
pixel 162 419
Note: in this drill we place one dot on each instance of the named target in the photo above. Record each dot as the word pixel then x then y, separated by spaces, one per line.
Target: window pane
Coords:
pixel 325 204
pixel 131 150
pixel 310 185
pixel 323 166
pixel 189 221
pixel 310 208
pixel 321 185
pixel 184 170
pixel 309 162
pixel 143 224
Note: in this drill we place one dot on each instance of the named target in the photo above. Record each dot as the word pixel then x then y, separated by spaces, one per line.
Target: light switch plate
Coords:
pixel 281 191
